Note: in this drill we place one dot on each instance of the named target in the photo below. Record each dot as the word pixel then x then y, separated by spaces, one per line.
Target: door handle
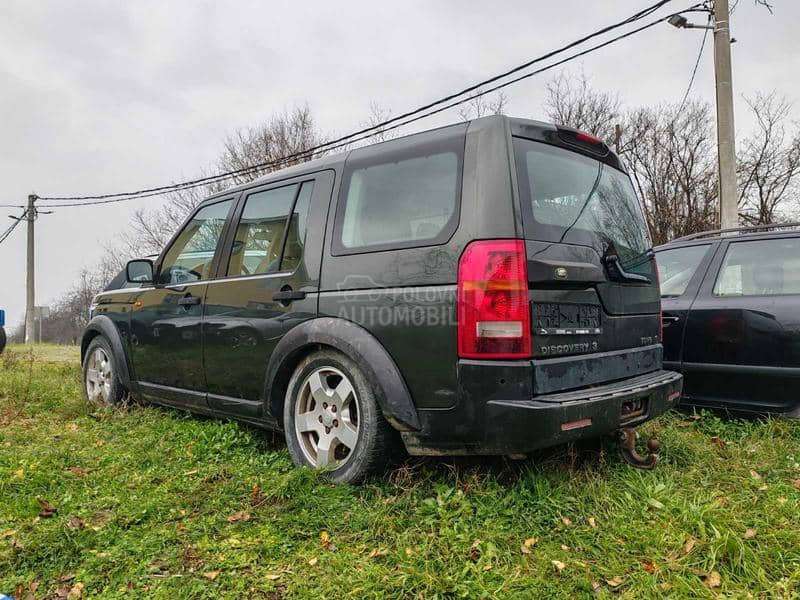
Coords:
pixel 669 320
pixel 287 294
pixel 189 301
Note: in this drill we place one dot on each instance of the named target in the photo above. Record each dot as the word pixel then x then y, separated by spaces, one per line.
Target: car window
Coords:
pixel 677 266
pixel 257 248
pixel 760 268
pixel 191 255
pixel 570 198
pixel 404 202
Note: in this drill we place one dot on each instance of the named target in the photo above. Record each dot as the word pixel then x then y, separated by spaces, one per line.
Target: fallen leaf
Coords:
pixel 763 488
pixel 324 537
pixel 76 523
pixel 67 577
pixel 256 497
pixel 378 552
pixel 313 562
pixel 566 521
pixel 242 515
pixel 749 533
pixel 713 580
pixel 565 548
pixel 596 587
pixel 780 500
pixel 16 544
pixel 755 475
pixel 8 533
pixel 592 522
pixel 192 472
pixel 409 552
pixel 48 510
pixel 558 565
pixel 531 542
pixel 795 483
pixel 273 576
pixel 79 472
pixel 718 441
pixel 34 585
pixel 648 565
pixel 653 503
pixel 524 549
pixel 474 551
pixel 18 474
pixel 76 591
pixel 72 427
pixel 688 546
pixel 211 575
pixel 614 582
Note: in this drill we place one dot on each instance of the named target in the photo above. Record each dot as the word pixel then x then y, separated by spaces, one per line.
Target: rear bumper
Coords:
pixel 512 426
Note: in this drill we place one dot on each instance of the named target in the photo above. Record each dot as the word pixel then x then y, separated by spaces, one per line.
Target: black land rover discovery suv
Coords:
pixel 483 288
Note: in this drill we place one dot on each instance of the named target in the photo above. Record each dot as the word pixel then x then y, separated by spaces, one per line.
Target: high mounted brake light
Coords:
pixel 493 308
pixel 585 141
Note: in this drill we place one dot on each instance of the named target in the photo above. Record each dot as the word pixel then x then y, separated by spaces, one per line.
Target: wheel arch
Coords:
pixel 102 325
pixel 354 341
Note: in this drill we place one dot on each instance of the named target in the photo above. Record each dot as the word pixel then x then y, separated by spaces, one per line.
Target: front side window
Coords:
pixel 191 255
pixel 259 244
pixel 676 268
pixel 400 201
pixel 760 268
pixel 571 198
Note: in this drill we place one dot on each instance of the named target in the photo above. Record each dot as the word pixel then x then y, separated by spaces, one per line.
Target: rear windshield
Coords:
pixel 571 198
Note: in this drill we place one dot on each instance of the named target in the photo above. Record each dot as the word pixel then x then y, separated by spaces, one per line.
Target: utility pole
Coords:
pixel 726 141
pixel 726 137
pixel 30 286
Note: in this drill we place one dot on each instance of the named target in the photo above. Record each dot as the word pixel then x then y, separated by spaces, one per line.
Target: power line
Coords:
pixel 694 71
pixel 389 124
pixel 8 231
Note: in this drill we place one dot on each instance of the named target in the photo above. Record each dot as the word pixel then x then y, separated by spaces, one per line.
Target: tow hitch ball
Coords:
pixel 632 457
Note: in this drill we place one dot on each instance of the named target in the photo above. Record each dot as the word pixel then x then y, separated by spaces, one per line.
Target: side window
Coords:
pixel 677 267
pixel 760 268
pixel 405 201
pixel 191 255
pixel 258 246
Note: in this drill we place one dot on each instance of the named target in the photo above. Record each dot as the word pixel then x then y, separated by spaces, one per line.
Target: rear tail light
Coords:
pixel 493 309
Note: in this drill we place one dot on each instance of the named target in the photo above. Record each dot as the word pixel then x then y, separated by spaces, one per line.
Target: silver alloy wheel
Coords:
pixel 326 418
pixel 99 376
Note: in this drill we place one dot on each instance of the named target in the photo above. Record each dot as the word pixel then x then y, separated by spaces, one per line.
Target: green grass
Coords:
pixel 147 499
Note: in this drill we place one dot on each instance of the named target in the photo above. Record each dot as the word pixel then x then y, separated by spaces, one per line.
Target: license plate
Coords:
pixel 551 318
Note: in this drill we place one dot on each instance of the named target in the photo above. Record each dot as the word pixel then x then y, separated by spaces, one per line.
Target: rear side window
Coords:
pixel 571 198
pixel 676 268
pixel 262 244
pixel 400 200
pixel 760 268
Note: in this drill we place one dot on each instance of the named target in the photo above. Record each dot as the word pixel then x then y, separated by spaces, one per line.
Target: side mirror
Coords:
pixel 139 271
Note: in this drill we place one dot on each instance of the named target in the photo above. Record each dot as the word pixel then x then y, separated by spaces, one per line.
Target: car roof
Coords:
pixel 528 128
pixel 715 236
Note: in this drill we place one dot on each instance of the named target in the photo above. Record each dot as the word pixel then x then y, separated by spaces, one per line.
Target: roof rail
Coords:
pixel 748 229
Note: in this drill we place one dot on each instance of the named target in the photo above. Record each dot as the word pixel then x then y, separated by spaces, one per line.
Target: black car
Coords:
pixel 731 302
pixel 483 288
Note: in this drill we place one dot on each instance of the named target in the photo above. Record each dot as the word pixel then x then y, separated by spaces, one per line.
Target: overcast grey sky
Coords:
pixel 100 96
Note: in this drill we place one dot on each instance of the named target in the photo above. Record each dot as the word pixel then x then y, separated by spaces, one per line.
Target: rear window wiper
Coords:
pixel 617 272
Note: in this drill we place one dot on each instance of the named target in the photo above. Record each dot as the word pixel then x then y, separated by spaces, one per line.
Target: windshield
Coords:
pixel 571 198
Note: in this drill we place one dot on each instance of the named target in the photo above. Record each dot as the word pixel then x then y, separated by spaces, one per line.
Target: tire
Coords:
pixel 101 383
pixel 332 420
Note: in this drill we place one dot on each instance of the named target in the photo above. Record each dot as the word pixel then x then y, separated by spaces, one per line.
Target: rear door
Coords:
pixel 742 341
pixel 593 283
pixel 269 279
pixel 681 272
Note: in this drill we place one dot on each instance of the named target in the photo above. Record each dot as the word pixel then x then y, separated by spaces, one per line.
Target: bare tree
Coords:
pixel 377 115
pixel 285 134
pixel 769 163
pixel 484 105
pixel 670 153
pixel 572 101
